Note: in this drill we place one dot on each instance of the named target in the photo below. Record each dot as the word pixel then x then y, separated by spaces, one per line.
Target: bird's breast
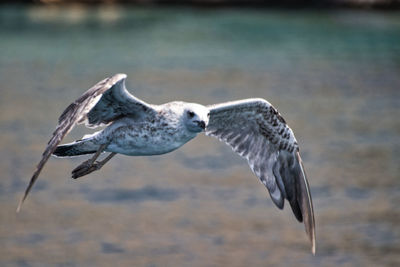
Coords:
pixel 147 138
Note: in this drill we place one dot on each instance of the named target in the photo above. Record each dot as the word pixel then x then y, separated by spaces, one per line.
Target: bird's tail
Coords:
pixel 77 148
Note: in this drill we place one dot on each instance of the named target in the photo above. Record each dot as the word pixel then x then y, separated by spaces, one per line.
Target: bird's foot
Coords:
pixel 86 168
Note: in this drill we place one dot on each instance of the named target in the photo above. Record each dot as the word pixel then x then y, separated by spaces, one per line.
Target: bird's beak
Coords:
pixel 202 124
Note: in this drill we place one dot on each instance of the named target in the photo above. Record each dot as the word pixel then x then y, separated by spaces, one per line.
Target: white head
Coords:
pixel 195 117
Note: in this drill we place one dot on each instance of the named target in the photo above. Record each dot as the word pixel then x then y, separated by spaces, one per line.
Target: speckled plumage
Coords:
pixel 158 133
pixel 253 128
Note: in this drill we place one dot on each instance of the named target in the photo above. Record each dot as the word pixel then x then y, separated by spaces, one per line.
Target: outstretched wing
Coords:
pixel 115 103
pixel 256 131
pixel 101 104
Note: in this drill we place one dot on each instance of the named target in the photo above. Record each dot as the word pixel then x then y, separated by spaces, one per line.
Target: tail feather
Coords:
pixel 76 149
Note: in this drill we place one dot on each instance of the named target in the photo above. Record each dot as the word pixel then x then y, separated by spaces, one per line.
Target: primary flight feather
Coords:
pixel 253 128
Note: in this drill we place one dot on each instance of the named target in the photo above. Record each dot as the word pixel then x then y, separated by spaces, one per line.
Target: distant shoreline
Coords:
pixel 354 4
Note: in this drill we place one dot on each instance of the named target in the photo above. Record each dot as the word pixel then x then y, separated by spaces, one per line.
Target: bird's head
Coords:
pixel 196 117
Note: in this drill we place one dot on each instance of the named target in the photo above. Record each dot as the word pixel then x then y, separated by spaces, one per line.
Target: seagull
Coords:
pixel 253 128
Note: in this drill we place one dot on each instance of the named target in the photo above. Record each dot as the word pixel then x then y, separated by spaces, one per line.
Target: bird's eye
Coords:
pixel 190 114
pixel 208 114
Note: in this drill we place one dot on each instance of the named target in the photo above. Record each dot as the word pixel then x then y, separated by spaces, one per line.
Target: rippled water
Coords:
pixel 334 76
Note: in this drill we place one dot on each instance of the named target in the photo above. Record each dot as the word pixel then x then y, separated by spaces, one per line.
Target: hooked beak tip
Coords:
pixel 202 125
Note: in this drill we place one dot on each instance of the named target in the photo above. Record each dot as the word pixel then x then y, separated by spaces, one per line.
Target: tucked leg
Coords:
pixel 91 164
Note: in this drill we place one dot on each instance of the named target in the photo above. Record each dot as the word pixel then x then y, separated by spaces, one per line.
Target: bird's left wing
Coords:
pixel 256 131
pixel 105 101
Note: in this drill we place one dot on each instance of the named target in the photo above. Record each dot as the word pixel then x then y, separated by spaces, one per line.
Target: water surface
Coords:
pixel 334 76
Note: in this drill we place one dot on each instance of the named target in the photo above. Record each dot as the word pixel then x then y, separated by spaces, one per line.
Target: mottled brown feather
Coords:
pixel 73 114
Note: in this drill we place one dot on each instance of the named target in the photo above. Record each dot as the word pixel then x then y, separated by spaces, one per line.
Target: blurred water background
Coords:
pixel 333 75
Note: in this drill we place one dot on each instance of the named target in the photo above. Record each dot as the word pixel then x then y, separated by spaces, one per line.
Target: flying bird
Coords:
pixel 253 128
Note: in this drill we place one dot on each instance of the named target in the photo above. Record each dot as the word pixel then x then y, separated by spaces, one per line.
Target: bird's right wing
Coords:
pixel 101 104
pixel 257 132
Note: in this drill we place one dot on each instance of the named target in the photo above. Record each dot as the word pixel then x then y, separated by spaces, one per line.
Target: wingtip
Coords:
pixel 312 237
pixel 20 204
pixel 313 243
pixel 309 219
pixel 313 248
pixel 27 190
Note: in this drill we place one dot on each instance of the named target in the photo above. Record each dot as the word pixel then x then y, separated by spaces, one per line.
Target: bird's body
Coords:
pixel 253 128
pixel 143 139
pixel 153 134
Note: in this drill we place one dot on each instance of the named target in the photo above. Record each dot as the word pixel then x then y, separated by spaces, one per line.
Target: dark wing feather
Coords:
pixel 116 103
pixel 256 131
pixel 82 110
